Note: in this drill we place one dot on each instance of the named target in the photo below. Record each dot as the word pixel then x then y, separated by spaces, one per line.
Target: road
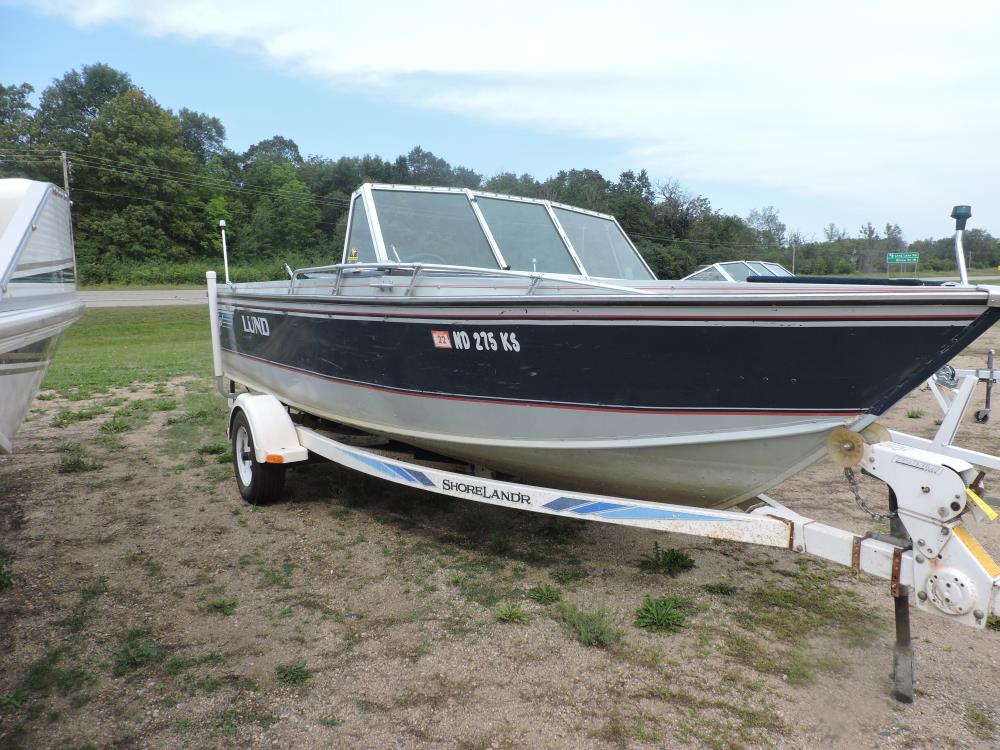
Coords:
pixel 144 298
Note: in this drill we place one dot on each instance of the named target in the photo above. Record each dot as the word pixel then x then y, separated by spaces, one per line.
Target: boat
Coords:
pixel 530 338
pixel 38 300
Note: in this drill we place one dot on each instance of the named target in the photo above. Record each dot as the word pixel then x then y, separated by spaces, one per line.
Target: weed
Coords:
pixel 293 673
pixel 95 589
pixel 512 613
pixel 76 620
pixel 142 558
pixel 7 576
pixel 220 607
pixel 485 594
pixel 566 576
pixel 115 426
pixel 590 628
pixel 993 622
pixel 617 731
pixel 74 459
pixel 721 588
pixel 13 701
pixel 979 723
pixel 181 726
pixel 226 723
pixel 213 449
pixel 914 413
pixel 665 614
pixel 669 561
pixel 280 578
pixel 544 594
pixel 47 675
pixel 137 648
pixel 331 721
pixel 178 664
pixel 811 604
pixel 66 417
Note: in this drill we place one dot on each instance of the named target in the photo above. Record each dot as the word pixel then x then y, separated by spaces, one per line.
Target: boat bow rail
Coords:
pixel 531 281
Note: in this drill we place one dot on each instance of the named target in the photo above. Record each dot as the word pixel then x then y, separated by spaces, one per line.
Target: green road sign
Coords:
pixel 902 257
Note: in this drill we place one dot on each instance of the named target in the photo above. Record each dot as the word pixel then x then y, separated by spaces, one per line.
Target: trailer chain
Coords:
pixel 852 482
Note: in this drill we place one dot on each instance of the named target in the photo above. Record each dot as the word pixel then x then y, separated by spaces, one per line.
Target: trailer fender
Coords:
pixel 274 438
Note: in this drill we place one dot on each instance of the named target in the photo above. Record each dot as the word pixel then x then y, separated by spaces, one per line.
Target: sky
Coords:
pixel 842 112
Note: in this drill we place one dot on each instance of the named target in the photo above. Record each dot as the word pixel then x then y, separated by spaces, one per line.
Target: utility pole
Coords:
pixel 65 166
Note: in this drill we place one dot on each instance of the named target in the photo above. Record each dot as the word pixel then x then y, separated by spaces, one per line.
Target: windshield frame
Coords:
pixel 365 192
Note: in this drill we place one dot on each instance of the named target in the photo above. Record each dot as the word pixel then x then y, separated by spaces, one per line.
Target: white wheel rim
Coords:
pixel 244 457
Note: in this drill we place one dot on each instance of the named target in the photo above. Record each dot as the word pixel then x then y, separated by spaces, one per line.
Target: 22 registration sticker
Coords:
pixel 482 341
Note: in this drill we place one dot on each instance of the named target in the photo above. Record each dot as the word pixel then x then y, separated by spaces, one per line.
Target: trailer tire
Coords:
pixel 259 484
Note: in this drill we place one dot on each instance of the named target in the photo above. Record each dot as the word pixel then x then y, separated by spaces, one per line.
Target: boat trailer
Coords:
pixel 929 551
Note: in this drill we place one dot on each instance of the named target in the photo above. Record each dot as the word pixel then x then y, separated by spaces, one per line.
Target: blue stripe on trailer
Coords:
pixel 565 503
pixel 657 514
pixel 390 470
pixel 384 468
pixel 401 473
pixel 591 508
pixel 422 478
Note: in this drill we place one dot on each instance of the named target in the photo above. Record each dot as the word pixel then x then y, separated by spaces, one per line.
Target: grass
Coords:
pixel 293 673
pixel 914 413
pixel 224 607
pixel 589 628
pixel 665 614
pixel 668 561
pixel 74 460
pixel 980 724
pixel 78 617
pixel 544 594
pixel 993 622
pixel 567 576
pixel 513 613
pixel 721 588
pixel 331 721
pixel 137 648
pixel 7 576
pixel 47 675
pixel 66 417
pixel 120 346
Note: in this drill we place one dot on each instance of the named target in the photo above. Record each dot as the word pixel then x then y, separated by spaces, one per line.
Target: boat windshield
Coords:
pixel 420 227
pixel 451 226
pixel 526 236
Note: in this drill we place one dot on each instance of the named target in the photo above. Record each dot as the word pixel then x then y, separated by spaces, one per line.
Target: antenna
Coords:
pixel 961 214
pixel 225 254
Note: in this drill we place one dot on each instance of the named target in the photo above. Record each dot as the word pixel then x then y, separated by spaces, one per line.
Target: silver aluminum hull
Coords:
pixel 703 460
pixel 29 335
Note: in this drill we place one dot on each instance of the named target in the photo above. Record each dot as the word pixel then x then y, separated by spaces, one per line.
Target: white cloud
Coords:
pixel 852 101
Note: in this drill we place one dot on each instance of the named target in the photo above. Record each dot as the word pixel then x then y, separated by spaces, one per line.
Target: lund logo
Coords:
pixel 254 324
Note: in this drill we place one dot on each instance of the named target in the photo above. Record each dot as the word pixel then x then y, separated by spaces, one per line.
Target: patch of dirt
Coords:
pixel 149 606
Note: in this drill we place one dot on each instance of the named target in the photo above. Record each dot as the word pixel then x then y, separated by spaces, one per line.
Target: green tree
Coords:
pixel 71 105
pixel 148 207
pixel 284 218
pixel 508 183
pixel 15 114
pixel 202 135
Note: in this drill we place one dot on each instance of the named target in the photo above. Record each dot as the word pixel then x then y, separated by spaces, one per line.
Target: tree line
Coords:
pixel 149 186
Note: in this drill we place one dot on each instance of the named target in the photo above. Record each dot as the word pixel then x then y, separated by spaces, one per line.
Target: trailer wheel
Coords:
pixel 259 484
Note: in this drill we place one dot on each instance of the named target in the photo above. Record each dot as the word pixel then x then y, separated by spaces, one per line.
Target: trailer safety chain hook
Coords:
pixel 852 482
